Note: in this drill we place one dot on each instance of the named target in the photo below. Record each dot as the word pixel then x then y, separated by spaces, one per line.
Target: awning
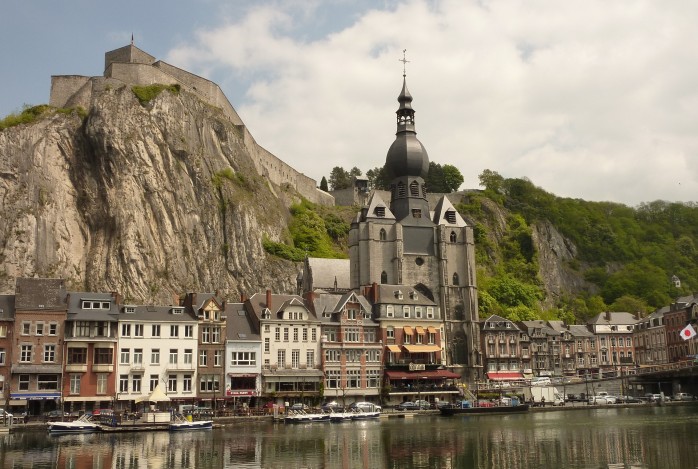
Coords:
pixel 431 330
pixel 242 375
pixel 35 395
pixel 393 348
pixel 427 374
pixel 419 329
pixel 18 402
pixel 408 330
pixel 422 348
pixel 87 399
pixel 504 375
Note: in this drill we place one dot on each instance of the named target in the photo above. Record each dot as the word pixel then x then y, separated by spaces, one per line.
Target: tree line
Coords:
pixel 440 179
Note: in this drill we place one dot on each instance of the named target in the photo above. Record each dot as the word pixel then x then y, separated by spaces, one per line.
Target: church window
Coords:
pixel 384 277
pixel 455 278
pixel 419 261
pixel 416 213
pixel 382 235
pixel 401 191
pixel 414 189
pixel 451 216
pixel 379 211
pixel 454 237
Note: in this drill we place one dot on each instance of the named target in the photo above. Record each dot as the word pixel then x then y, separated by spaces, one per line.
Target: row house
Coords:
pixel 91 331
pixel 563 350
pixel 7 315
pixel 243 349
pixel 649 338
pixel 350 349
pixel 544 348
pixel 680 313
pixel 290 335
pixel 412 334
pixel 614 332
pixel 157 346
pixel 586 353
pixel 37 345
pixel 505 347
pixel 208 310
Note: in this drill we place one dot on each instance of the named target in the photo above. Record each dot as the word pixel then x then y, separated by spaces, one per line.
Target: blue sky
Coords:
pixel 588 99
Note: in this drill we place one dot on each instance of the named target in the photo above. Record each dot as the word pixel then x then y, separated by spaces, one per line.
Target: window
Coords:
pixel 172 383
pixel 104 356
pixel 267 346
pixel 354 379
pixel 186 383
pixel 331 334
pixel 75 384
pixel 333 380
pixel 295 358
pixel 26 328
pixel 243 358
pixel 203 358
pixel 372 378
pixel 138 356
pixel 174 330
pixel 189 333
pixel 25 354
pixel 3 330
pixel 206 335
pixel 416 213
pixel 125 356
pixel 418 312
pixel 39 328
pixel 209 383
pixel 155 356
pixel 384 277
pixel 414 189
pixel 53 329
pixel 154 380
pixel 281 358
pixel 77 356
pixel 277 334
pixel 173 356
pixel 310 358
pixel 102 383
pixel 390 311
pixel 24 382
pixel 332 355
pixel 382 235
pixel 379 211
pixel 155 330
pixel 295 334
pixel 218 358
pixel 454 237
pixel 285 334
pixel 351 334
pixel 123 383
pixel 406 311
pixel 81 329
pixel 2 356
pixel 313 334
pixel 456 281
pixel 138 330
pixel 369 335
pixel 305 334
pixel 125 330
pixel 136 383
pixel 188 356
pixel 390 332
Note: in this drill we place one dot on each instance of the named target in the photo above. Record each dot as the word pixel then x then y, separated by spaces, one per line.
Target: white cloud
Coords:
pixel 587 99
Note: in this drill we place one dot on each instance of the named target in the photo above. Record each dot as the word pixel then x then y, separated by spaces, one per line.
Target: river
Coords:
pixel 638 437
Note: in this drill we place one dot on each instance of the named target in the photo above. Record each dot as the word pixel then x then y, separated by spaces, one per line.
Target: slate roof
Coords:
pixel 45 294
pixel 76 313
pixel 333 303
pixel 324 273
pixel 258 303
pixel 579 330
pixel 7 307
pixel 241 326
pixel 529 326
pixel 614 318
pixel 500 324
pixel 157 313
pixel 387 295
pixel 439 215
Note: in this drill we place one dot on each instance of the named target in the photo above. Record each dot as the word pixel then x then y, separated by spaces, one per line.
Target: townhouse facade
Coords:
pixel 243 349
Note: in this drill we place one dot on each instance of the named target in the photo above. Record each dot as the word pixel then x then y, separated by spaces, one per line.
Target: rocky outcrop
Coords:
pixel 150 201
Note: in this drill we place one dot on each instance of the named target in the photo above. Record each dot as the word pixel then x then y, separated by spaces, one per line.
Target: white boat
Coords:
pixel 360 414
pixel 180 423
pixel 300 416
pixel 84 424
pixel 341 416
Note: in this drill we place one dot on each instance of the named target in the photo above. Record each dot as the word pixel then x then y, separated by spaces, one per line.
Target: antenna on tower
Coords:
pixel 404 62
pixel 131 38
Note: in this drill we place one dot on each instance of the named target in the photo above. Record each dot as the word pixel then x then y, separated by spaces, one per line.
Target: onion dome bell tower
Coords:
pixel 407 164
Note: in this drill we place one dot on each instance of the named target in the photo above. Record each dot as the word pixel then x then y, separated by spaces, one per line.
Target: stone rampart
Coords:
pixel 73 90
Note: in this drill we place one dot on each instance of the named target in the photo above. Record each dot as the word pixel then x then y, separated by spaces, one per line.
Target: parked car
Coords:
pixel 298 406
pixel 330 406
pixel 682 396
pixel 367 406
pixel 422 404
pixel 407 405
pixel 610 399
pixel 600 400
pixel 629 400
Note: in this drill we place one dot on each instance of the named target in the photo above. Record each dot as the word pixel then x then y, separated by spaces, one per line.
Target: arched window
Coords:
pixel 414 189
pixel 454 237
pixel 455 278
pixel 401 191
pixel 384 277
pixel 382 235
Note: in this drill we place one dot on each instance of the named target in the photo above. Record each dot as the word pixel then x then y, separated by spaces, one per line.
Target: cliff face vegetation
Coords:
pixel 149 199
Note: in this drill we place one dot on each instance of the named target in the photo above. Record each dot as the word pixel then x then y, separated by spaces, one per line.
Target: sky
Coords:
pixel 588 99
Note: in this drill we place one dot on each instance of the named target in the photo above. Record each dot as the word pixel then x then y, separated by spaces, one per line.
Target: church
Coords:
pixel 407 244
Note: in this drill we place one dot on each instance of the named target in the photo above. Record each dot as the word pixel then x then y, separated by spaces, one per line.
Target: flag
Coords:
pixel 688 332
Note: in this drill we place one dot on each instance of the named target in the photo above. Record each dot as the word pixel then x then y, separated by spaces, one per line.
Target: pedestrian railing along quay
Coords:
pixel 664 367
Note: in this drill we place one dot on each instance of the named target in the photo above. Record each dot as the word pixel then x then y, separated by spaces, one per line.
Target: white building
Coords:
pixel 243 352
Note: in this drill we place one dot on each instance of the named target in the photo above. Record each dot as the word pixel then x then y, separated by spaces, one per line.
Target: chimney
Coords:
pixel 175 300
pixel 608 315
pixel 243 297
pixel 116 296
pixel 269 299
pixel 375 292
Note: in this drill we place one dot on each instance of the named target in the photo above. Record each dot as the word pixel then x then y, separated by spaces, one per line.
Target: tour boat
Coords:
pixel 84 424
pixel 465 408
pixel 300 416
pixel 360 414
pixel 341 416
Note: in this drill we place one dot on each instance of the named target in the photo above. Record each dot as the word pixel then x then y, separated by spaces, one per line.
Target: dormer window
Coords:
pixel 451 216
pixel 413 295
pixel 416 213
pixel 129 309
pixel 398 294
pixel 379 211
pixel 177 310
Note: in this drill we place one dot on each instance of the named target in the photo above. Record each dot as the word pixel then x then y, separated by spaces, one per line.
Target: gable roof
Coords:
pixel 442 207
pixel 323 273
pixel 376 201
pixel 613 317
pixel 241 326
pixel 46 294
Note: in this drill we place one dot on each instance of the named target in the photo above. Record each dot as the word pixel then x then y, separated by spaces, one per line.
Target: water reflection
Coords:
pixel 648 437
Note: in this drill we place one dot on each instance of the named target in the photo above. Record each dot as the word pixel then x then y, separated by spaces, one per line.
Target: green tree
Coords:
pixel 323 184
pixel 491 181
pixel 378 179
pixel 339 178
pixel 355 172
pixel 435 179
pixel 452 177
pixel 630 304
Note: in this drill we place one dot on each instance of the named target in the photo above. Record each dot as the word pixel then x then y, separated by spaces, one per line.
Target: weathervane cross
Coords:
pixel 404 62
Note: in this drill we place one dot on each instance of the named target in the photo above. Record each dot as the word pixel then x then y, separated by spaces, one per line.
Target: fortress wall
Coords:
pixel 138 74
pixel 70 88
pixel 127 54
pixel 208 90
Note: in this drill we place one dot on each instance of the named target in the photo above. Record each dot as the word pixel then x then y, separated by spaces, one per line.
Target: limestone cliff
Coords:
pixel 147 200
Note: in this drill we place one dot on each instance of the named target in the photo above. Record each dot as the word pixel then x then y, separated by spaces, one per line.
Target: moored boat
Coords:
pixel 465 408
pixel 179 423
pixel 305 417
pixel 360 414
pixel 84 424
